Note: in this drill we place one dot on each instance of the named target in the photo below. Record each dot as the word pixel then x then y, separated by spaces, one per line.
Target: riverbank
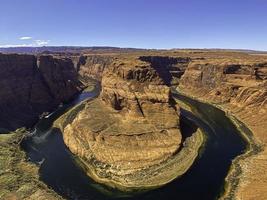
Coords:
pixel 240 183
pixel 19 179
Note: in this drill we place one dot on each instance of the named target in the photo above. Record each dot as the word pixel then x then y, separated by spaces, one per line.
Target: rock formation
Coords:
pixel 132 127
pixel 31 86
pixel 93 66
pixel 171 68
pixel 227 82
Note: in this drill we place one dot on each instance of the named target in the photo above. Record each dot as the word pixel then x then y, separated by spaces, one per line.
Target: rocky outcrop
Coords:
pixel 93 66
pixel 140 128
pixel 31 86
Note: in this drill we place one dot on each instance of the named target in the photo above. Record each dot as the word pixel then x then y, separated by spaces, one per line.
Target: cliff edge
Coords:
pixel 31 86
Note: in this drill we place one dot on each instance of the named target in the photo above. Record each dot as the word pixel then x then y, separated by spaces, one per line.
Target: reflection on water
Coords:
pixel 203 181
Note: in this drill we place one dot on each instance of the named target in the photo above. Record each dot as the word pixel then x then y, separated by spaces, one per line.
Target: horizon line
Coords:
pixel 141 48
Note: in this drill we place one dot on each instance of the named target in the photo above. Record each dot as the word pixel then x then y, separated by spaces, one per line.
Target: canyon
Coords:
pixel 129 137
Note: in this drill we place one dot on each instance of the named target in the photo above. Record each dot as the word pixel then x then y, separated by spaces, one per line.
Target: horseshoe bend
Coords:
pixel 133 100
pixel 136 131
pixel 137 145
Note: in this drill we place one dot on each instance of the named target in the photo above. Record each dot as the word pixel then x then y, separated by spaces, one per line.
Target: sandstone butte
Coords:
pixel 237 82
pixel 129 137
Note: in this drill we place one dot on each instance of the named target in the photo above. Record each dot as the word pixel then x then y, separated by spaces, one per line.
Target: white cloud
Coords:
pixel 25 38
pixel 16 45
pixel 35 43
pixel 41 42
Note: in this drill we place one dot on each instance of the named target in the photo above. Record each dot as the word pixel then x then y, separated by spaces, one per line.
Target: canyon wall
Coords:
pixel 229 82
pixel 170 68
pixel 239 86
pixel 93 66
pixel 31 86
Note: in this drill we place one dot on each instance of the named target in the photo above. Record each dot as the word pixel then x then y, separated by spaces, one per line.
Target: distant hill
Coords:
pixel 64 49
pixel 222 50
pixel 103 49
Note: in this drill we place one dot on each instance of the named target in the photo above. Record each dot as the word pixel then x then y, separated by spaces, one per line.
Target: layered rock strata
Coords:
pixel 132 128
pixel 170 68
pixel 93 66
pixel 31 86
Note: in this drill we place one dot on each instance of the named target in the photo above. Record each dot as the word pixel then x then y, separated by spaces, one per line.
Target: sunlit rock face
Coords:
pixel 132 126
pixel 31 86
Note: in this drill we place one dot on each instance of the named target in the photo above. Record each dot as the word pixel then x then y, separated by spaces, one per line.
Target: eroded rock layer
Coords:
pixel 133 126
pixel 31 86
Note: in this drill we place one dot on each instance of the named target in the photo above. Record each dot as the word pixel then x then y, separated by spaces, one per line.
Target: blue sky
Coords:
pixel 135 23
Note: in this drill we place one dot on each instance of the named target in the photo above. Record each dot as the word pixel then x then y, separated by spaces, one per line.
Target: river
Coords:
pixel 203 181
